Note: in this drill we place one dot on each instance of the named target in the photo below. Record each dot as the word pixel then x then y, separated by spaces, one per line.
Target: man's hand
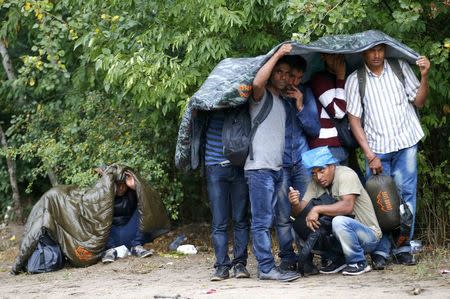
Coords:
pixel 294 197
pixel 339 66
pixel 129 180
pixel 295 93
pixel 424 65
pixel 375 164
pixel 312 219
pixel 283 50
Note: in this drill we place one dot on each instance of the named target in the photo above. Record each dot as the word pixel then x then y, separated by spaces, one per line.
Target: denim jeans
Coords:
pixel 128 234
pixel 228 196
pixel 356 239
pixel 402 166
pixel 264 185
pixel 297 177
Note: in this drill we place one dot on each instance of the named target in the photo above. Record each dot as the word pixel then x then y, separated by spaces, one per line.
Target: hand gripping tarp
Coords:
pixel 230 82
pixel 80 219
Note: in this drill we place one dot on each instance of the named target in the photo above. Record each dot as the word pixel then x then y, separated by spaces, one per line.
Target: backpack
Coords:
pixel 46 257
pixel 238 131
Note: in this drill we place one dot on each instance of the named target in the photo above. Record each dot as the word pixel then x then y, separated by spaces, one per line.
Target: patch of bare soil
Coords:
pixel 169 275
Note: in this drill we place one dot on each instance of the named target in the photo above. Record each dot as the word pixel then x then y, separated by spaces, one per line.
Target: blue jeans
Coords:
pixel 128 234
pixel 402 166
pixel 297 177
pixel 264 185
pixel 228 195
pixel 356 239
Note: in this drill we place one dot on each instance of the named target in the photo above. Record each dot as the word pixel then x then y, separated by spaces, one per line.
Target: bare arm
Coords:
pixel 263 75
pixel 358 132
pixel 422 92
pixel 342 207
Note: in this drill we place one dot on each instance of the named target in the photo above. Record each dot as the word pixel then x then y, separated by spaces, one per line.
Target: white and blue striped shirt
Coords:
pixel 390 122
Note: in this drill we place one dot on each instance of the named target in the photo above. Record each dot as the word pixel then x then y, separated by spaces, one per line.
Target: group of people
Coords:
pixel 297 157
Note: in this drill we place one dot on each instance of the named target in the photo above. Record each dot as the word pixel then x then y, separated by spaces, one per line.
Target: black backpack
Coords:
pixel 46 257
pixel 238 131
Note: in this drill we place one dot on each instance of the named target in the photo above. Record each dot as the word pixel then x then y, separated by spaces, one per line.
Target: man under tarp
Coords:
pixel 230 83
pixel 80 220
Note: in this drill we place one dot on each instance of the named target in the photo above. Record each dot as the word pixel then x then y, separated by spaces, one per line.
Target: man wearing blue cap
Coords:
pixel 358 235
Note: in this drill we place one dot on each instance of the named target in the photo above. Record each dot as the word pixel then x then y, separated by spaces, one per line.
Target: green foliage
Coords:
pixel 106 81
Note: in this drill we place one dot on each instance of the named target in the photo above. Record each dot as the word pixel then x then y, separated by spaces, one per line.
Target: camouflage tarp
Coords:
pixel 230 82
pixel 80 219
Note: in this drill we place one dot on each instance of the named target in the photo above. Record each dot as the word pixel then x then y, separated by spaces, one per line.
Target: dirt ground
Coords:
pixel 168 275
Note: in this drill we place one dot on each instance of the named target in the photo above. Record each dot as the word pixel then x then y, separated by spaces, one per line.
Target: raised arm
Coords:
pixel 263 75
pixel 422 92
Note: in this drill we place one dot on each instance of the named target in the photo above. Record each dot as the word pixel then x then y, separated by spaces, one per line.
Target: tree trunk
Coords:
pixel 17 203
pixel 7 65
pixel 52 177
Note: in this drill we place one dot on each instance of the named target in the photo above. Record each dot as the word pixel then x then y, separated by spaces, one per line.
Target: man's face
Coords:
pixel 280 76
pixel 374 57
pixel 324 176
pixel 121 188
pixel 295 77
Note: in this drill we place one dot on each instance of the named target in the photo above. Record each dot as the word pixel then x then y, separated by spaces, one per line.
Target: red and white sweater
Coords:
pixel 329 94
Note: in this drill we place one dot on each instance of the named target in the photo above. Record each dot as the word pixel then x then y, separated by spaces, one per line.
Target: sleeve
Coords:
pixel 411 82
pixel 348 182
pixel 331 94
pixel 354 106
pixel 309 117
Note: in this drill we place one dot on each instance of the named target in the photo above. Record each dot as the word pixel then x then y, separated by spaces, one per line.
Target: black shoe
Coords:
pixel 404 258
pixel 309 268
pixel 221 273
pixel 378 262
pixel 356 269
pixel 288 266
pixel 332 267
pixel 240 271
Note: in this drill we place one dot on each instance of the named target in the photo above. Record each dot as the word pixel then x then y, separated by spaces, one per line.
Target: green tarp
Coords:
pixel 80 219
pixel 229 83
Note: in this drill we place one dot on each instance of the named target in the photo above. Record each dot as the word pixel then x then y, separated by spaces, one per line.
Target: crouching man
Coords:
pixel 357 235
pixel 125 226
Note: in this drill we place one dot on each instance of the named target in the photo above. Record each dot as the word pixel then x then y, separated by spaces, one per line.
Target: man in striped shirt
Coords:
pixel 391 129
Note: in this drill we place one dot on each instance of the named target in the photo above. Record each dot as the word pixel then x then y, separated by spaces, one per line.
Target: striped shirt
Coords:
pixel 390 122
pixel 330 101
pixel 214 146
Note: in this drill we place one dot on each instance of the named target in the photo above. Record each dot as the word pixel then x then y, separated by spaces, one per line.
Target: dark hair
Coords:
pixel 284 59
pixel 297 62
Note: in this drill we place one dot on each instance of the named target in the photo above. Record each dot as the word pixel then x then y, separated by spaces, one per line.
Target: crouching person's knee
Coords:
pixel 339 224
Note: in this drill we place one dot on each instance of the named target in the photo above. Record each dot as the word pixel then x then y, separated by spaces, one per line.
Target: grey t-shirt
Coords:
pixel 268 142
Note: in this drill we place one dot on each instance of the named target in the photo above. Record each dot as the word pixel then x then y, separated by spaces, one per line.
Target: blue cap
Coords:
pixel 318 157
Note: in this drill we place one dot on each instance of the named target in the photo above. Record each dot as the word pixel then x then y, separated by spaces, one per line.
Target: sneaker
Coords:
pixel 288 266
pixel 109 256
pixel 240 271
pixel 140 251
pixel 356 269
pixel 332 267
pixel 221 273
pixel 404 258
pixel 276 274
pixel 378 262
